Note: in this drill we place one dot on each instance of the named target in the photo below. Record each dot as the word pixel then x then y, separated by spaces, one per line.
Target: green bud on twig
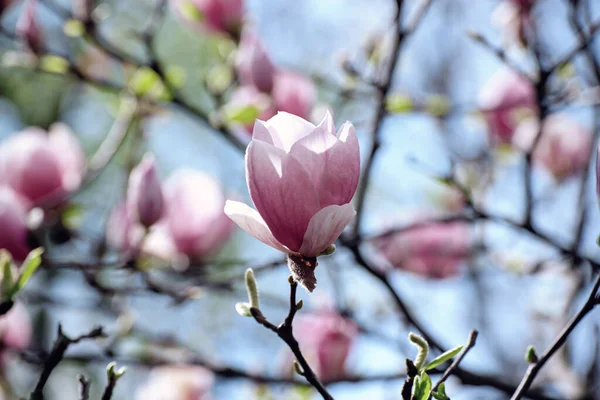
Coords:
pixel 423 351
pixel 530 355
pixel 252 288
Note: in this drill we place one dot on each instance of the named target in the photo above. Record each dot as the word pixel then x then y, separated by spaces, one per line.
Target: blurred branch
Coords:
pixel 285 332
pixel 84 387
pixel 535 367
pixel 57 354
pixel 470 344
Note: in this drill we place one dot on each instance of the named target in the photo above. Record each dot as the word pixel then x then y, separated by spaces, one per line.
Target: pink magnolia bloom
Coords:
pixel 326 340
pixel 15 328
pixel 40 165
pixel 294 93
pixel 505 100
pixel 177 383
pixel 194 224
pixel 218 16
pixel 28 28
pixel 123 233
pixel 144 194
pixel 254 67
pixel 434 250
pixel 563 149
pixel 13 220
pixel 301 179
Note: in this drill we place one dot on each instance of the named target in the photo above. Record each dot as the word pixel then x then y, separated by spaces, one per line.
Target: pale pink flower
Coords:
pixel 254 67
pixel 301 179
pixel 15 328
pixel 433 250
pixel 13 223
pixel 28 28
pixel 294 93
pixel 144 193
pixel 123 233
pixel 177 383
pixel 194 223
pixel 505 101
pixel 325 339
pixel 42 166
pixel 564 147
pixel 218 16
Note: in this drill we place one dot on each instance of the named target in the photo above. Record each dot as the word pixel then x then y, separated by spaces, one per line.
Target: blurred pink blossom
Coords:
pixel 13 223
pixel 218 16
pixel 301 179
pixel 144 193
pixel 294 93
pixel 326 339
pixel 28 28
pixel 433 250
pixel 254 67
pixel 506 100
pixel 564 147
pixel 123 234
pixel 40 165
pixel 15 328
pixel 194 224
pixel 177 383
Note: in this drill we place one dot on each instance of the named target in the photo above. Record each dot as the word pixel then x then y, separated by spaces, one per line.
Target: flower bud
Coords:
pixel 13 220
pixel 253 64
pixel 144 193
pixel 15 329
pixel 294 93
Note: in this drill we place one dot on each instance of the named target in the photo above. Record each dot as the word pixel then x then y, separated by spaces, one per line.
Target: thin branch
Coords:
pixel 57 354
pixel 470 344
pixel 84 387
pixel 534 368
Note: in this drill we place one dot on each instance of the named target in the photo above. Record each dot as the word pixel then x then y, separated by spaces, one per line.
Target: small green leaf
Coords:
pixel 242 115
pixel 243 309
pixel 438 105
pixel 442 358
pixel 31 263
pixel 422 387
pixel 441 392
pixel 147 82
pixel 72 216
pixel 54 64
pixel 399 104
pixel 7 279
pixel 175 76
pixel 190 12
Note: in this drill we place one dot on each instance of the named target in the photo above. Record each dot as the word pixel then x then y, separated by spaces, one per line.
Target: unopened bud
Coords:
pixel 530 355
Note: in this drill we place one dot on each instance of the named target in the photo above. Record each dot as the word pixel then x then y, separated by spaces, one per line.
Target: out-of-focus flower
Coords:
pixel 219 16
pixel 506 100
pixel 15 328
pixel 564 147
pixel 13 223
pixel 250 96
pixel 513 17
pixel 28 28
pixel 177 383
pixel 433 250
pixel 194 224
pixel 301 179
pixel 42 166
pixel 326 340
pixel 144 193
pixel 294 93
pixel 254 67
pixel 123 233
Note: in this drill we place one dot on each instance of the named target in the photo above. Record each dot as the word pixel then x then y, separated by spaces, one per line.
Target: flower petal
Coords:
pixel 250 220
pixel 261 132
pixel 289 129
pixel 327 123
pixel 325 227
pixel 312 152
pixel 282 192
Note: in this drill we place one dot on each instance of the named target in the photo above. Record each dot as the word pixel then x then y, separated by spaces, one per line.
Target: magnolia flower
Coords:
pixel 505 101
pixel 177 383
pixel 194 224
pixel 123 233
pixel 28 28
pixel 564 147
pixel 254 67
pixel 13 220
pixel 15 328
pixel 325 339
pixel 433 250
pixel 301 179
pixel 144 194
pixel 219 16
pixel 293 93
pixel 42 166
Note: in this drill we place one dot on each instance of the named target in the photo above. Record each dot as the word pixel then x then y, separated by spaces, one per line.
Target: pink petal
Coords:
pixel 70 156
pixel 289 129
pixel 250 220
pixel 282 192
pixel 327 123
pixel 325 228
pixel 261 132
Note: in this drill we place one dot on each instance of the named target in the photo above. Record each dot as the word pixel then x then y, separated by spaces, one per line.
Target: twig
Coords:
pixel 285 332
pixel 84 387
pixel 470 344
pixel 56 355
pixel 534 368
